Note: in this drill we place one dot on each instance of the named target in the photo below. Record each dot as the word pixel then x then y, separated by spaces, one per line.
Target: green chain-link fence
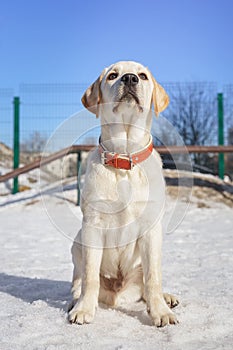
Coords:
pixel 193 110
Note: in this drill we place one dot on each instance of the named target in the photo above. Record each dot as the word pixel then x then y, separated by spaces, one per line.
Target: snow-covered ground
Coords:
pixel 36 271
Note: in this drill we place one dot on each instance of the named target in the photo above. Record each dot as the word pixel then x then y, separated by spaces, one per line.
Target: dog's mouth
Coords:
pixel 127 97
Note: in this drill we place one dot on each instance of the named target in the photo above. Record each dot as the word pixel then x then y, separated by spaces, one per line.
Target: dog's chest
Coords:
pixel 121 205
pixel 121 260
pixel 109 185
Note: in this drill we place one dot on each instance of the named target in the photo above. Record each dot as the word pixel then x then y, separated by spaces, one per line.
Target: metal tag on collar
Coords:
pixel 103 157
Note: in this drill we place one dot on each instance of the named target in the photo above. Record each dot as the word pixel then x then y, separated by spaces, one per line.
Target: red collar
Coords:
pixel 124 161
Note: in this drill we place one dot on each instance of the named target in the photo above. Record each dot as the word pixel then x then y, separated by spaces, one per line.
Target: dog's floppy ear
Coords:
pixel 92 96
pixel 160 98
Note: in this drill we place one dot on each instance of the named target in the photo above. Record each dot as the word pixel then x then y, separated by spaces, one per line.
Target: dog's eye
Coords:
pixel 112 76
pixel 143 76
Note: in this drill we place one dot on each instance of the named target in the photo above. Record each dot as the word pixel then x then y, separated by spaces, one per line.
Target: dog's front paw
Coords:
pixel 81 313
pixel 161 314
pixel 161 320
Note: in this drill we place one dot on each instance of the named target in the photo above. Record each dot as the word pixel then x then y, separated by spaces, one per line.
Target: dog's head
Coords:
pixel 128 82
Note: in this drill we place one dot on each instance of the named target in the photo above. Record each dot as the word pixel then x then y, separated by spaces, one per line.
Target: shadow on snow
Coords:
pixel 54 293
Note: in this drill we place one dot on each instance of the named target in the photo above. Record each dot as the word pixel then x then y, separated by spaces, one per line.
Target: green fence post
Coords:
pixel 220 135
pixel 79 163
pixel 16 142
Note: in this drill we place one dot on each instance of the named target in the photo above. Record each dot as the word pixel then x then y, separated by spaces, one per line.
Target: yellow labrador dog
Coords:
pixel 117 253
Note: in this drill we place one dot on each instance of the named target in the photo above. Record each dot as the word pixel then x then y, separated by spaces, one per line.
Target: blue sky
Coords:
pixel 71 40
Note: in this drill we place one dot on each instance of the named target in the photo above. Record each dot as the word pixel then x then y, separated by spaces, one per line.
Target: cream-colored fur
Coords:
pixel 117 253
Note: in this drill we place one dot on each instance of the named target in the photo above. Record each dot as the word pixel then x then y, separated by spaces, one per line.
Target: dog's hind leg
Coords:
pixel 171 300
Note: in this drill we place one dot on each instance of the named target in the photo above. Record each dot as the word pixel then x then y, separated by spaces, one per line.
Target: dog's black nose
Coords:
pixel 130 79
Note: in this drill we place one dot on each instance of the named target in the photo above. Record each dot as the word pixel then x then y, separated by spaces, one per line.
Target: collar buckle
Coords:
pixel 104 157
pixel 131 163
pixel 124 161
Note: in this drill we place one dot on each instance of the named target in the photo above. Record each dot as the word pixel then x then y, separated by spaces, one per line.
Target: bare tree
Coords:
pixel 35 143
pixel 193 112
